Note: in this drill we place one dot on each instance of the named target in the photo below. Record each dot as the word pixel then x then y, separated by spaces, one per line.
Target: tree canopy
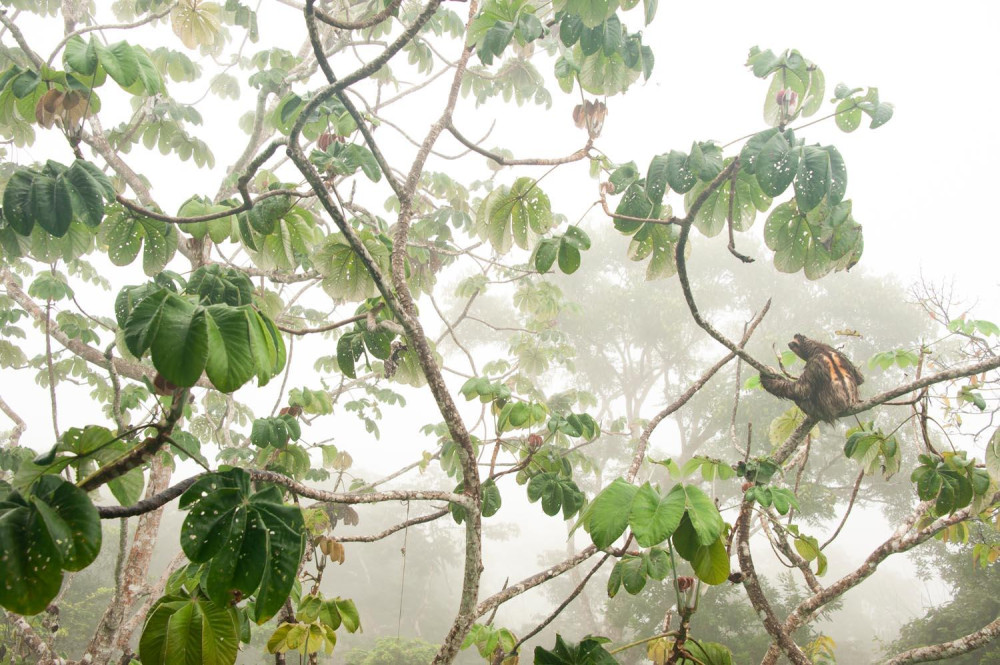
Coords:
pixel 221 320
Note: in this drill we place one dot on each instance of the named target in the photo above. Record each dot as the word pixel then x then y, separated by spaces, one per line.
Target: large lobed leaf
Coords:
pixel 55 196
pixel 250 541
pixel 50 528
pixel 231 344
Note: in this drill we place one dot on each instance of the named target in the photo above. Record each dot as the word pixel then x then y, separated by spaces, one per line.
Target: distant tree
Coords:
pixel 389 651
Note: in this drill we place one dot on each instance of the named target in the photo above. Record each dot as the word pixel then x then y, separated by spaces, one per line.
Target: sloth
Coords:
pixel 828 384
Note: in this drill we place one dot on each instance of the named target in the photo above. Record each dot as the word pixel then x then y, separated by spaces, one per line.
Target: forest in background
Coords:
pixel 394 336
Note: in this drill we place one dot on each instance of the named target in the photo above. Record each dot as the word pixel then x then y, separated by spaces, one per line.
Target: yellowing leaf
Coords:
pixel 196 22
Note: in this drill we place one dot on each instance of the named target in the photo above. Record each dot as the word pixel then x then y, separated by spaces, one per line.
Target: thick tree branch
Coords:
pixel 780 634
pixel 45 655
pixel 899 542
pixel 21 41
pixel 962 645
pixel 156 501
pixel 947 375
pixel 562 606
pixel 140 453
pixel 407 315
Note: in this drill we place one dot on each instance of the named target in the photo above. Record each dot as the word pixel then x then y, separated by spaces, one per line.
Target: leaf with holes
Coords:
pixel 776 165
pixel 49 528
pixel 196 23
pixel 125 233
pixel 251 541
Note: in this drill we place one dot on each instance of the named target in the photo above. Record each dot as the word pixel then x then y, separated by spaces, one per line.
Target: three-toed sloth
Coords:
pixel 828 384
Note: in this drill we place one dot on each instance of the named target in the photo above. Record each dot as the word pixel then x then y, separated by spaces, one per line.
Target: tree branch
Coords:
pixel 780 634
pixel 640 451
pixel 94 356
pixel 430 517
pixel 21 41
pixel 681 261
pixel 962 645
pixel 503 161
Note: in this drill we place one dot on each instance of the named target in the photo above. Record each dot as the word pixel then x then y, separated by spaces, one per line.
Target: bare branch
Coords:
pixel 686 224
pixel 19 424
pixel 962 645
pixel 395 528
pixel 21 41
pixel 487 605
pixel 780 634
pixel 538 161
pixel 640 450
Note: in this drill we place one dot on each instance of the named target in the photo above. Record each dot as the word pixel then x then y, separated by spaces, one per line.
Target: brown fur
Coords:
pixel 828 384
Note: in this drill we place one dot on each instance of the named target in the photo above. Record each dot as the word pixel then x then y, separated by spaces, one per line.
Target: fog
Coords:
pixel 634 346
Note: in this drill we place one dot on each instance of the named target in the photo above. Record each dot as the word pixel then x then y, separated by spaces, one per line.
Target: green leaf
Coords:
pixel 557 493
pixel 569 258
pixel 56 196
pixel 654 518
pixel 350 348
pixel 711 563
pixel 588 652
pixel 215 284
pixel 344 272
pixel 491 498
pixel 51 528
pixel 657 177
pixel 232 344
pixel 545 254
pixel 751 150
pixel 119 61
pixel 514 215
pixel 229 362
pixel 993 454
pixel 180 348
pixel 252 541
pixel 821 175
pixel 81 56
pixel 680 175
pixel 704 515
pixel 709 653
pixel 182 629
pixel 776 165
pixel 608 515
pixel 848 116
pixel 125 233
